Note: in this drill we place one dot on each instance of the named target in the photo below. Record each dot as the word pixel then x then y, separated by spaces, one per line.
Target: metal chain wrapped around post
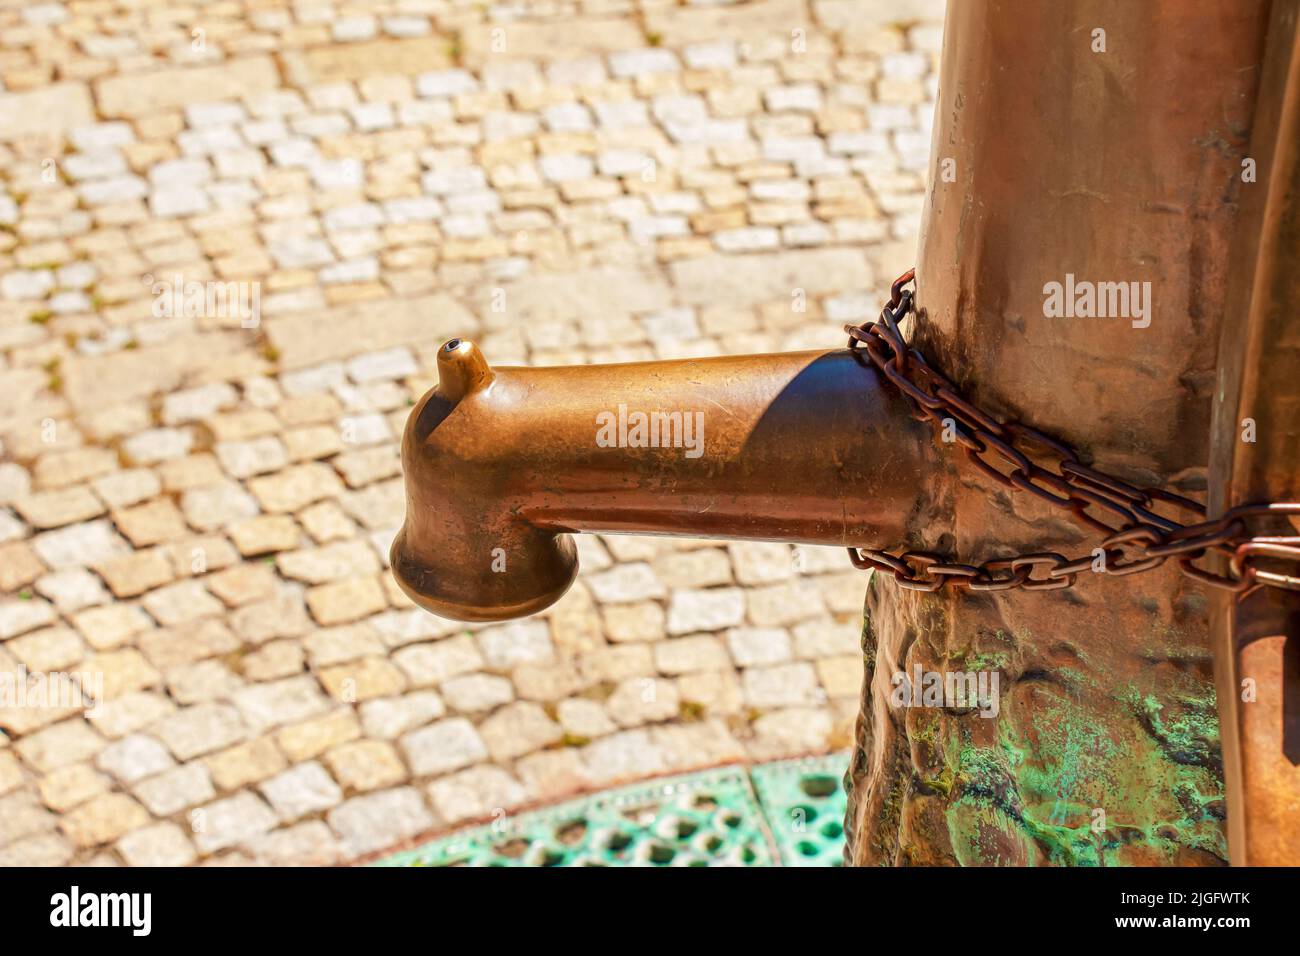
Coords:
pixel 1138 540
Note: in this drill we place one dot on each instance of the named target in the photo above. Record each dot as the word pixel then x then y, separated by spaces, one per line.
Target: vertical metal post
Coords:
pixel 1256 457
pixel 1094 142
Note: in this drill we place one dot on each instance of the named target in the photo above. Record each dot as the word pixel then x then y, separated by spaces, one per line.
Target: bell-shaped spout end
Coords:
pixel 463 551
pixel 491 577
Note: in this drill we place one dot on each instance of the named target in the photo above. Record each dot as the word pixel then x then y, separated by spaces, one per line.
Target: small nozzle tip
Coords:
pixel 462 369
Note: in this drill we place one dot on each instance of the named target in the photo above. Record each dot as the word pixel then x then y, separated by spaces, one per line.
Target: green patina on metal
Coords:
pixel 1188 733
pixel 1076 793
pixel 724 817
pixel 1072 771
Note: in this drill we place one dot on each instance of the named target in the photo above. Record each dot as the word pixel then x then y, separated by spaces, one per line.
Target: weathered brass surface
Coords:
pixel 501 463
pixel 1257 642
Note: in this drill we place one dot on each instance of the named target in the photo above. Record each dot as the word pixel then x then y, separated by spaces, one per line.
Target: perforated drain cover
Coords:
pixel 804 803
pixel 712 818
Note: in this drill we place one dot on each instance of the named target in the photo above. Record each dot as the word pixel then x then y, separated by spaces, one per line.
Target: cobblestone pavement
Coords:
pixel 197 492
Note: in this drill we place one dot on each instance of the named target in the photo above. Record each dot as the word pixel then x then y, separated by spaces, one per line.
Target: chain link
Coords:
pixel 1137 537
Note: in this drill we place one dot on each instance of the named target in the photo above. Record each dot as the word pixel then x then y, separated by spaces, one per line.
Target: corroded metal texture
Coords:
pixel 1057 161
pixel 500 464
pixel 1256 457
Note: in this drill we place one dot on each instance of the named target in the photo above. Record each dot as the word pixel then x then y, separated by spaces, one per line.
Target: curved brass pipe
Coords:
pixel 500 464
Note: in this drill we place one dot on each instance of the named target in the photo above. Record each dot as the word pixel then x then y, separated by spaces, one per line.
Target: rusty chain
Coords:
pixel 1136 538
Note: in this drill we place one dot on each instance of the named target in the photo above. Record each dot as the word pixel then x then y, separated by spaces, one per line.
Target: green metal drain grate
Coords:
pixel 787 815
pixel 804 803
pixel 705 819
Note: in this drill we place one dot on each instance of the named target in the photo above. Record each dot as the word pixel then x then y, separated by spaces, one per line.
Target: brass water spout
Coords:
pixel 503 464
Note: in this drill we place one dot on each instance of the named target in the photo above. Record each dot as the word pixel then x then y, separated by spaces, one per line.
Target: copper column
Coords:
pixel 1096 142
pixel 1256 457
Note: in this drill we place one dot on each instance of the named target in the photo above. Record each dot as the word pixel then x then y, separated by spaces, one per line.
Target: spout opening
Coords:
pixel 454 584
